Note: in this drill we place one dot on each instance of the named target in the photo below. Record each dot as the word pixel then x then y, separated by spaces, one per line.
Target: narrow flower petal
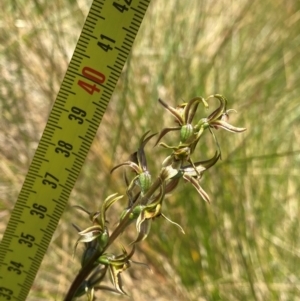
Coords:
pixel 167 146
pixel 191 108
pixel 223 124
pixel 144 231
pixel 90 233
pixel 210 162
pixel 116 279
pixel 105 205
pixel 165 131
pixel 131 164
pixel 197 168
pixel 196 184
pixel 173 111
pixel 141 218
pixel 221 109
pixel 168 172
pixel 181 229
pixel 82 209
pixel 92 215
pixel 142 161
pixel 110 200
pixel 168 161
pixel 172 185
pixel 122 259
pixel 144 140
pixel 192 171
pixel 107 288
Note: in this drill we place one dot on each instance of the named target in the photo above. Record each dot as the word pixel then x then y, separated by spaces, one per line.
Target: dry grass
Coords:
pixel 245 245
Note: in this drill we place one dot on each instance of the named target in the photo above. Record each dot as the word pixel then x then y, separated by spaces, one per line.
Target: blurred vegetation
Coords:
pixel 245 245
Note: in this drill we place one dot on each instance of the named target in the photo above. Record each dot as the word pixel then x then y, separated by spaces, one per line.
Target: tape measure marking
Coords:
pixel 95 67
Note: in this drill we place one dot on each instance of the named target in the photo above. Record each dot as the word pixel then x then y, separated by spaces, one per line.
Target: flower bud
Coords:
pixel 186 132
pixel 103 240
pixel 145 181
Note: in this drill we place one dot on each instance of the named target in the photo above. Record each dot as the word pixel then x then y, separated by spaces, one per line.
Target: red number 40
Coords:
pixel 93 75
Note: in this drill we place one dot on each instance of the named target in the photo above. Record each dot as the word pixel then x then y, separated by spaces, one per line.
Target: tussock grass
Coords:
pixel 245 245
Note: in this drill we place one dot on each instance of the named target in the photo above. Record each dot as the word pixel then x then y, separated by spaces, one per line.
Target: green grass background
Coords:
pixel 245 245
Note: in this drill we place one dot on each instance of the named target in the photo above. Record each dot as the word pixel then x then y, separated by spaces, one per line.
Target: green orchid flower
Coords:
pixel 91 245
pixel 138 163
pixel 191 173
pixel 148 212
pixel 184 115
pixel 116 265
pixel 218 119
pixel 98 231
pixel 190 134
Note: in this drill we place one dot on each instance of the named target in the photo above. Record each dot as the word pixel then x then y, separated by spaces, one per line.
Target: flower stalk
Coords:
pixel 146 194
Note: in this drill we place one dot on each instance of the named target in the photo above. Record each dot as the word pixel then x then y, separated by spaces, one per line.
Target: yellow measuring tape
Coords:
pixel 100 54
